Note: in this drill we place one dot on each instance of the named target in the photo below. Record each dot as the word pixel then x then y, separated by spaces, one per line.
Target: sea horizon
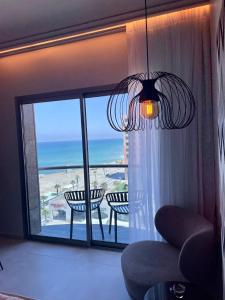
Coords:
pixel 80 140
pixel 66 153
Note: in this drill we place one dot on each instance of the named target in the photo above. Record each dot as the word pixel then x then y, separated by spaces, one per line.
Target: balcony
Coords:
pixel 56 213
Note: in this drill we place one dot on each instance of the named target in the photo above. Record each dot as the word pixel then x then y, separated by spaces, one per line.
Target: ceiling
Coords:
pixel 23 21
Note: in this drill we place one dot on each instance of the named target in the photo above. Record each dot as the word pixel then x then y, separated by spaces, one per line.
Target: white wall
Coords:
pixel 94 62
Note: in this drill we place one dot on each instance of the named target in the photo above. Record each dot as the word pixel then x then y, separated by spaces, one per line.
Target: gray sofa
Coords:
pixel 188 254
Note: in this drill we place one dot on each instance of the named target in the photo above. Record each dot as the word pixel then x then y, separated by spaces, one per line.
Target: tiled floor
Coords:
pixel 55 272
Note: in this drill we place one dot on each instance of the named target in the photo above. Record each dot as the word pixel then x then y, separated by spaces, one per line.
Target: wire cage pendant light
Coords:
pixel 158 99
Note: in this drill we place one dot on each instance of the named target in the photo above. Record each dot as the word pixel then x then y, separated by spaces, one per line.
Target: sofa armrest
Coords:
pixel 197 258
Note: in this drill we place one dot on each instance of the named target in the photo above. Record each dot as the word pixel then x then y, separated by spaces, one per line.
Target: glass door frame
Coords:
pixel 80 95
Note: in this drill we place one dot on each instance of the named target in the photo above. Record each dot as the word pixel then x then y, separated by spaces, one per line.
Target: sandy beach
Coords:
pixel 107 178
pixel 53 186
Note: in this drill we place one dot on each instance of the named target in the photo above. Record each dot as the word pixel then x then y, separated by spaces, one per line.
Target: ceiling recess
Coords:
pixel 36 21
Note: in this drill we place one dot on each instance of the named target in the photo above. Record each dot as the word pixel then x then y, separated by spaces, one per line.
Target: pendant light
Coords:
pixel 159 99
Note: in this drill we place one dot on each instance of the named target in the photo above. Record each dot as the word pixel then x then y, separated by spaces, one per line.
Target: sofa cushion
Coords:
pixel 177 224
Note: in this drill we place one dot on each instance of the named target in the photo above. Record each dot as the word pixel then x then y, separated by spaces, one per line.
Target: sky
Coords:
pixel 60 120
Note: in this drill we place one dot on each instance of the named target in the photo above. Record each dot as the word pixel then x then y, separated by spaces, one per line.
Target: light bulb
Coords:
pixel 149 109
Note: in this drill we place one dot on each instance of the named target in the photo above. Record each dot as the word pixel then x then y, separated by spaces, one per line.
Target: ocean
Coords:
pixel 66 153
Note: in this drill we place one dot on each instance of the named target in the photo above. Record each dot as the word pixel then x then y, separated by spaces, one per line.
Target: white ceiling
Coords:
pixel 28 20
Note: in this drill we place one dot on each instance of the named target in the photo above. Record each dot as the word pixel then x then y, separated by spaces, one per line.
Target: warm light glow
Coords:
pixel 158 21
pixel 155 20
pixel 60 39
pixel 149 109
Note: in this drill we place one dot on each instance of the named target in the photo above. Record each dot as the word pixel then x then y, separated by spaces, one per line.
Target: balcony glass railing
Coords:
pixel 56 214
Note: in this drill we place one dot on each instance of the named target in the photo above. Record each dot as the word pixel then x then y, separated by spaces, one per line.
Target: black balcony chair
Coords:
pixel 118 203
pixel 76 201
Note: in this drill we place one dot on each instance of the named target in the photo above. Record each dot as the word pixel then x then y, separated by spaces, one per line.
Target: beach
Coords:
pixel 53 183
pixel 102 177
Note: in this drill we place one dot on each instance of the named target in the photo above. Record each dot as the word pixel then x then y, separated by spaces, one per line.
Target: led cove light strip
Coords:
pixel 53 42
pixel 61 39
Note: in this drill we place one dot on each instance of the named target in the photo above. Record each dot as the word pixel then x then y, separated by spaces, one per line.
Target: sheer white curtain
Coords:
pixel 218 57
pixel 173 167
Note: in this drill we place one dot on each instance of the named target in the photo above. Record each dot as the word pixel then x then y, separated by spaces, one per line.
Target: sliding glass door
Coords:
pixel 108 156
pixel 72 161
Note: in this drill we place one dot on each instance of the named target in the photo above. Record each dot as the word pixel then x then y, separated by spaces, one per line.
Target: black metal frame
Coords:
pixel 80 95
pixel 116 200
pixel 172 99
pixel 170 94
pixel 74 197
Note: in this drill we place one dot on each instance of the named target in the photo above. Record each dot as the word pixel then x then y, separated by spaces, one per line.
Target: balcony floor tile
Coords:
pixel 79 232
